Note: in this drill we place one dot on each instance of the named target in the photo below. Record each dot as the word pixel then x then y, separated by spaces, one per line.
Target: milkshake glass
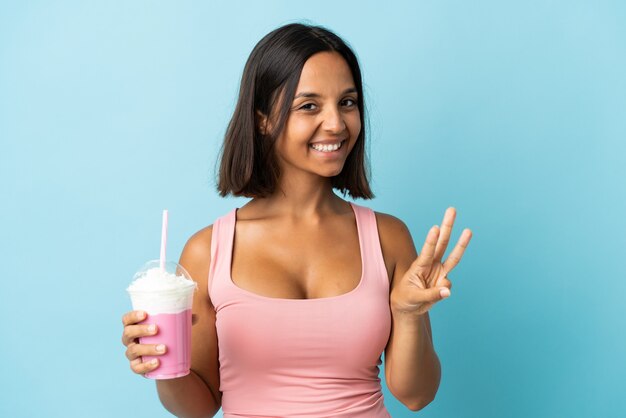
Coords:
pixel 165 292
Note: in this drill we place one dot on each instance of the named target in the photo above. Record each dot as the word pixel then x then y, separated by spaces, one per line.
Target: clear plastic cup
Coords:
pixel 166 295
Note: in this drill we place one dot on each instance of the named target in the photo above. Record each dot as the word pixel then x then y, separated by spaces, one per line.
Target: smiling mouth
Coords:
pixel 328 149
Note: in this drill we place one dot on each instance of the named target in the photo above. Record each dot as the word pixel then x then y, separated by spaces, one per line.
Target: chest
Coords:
pixel 342 336
pixel 297 261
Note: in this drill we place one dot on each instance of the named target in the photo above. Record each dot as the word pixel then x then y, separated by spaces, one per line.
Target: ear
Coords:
pixel 261 121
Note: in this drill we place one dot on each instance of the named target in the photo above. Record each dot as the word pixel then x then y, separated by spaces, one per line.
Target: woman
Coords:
pixel 300 292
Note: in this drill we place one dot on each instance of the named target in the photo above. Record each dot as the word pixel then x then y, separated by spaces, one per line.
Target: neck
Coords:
pixel 303 196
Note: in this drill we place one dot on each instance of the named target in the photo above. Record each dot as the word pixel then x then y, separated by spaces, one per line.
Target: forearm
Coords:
pixel 412 368
pixel 187 397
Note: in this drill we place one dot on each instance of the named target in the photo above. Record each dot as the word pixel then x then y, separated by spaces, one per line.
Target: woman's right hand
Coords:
pixel 134 350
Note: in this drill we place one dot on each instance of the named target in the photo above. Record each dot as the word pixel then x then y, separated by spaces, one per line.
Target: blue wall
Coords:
pixel 513 112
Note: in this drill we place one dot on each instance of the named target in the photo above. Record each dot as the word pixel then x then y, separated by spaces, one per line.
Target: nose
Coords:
pixel 333 121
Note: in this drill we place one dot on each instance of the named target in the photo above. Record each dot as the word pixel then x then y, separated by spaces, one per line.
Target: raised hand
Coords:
pixel 426 282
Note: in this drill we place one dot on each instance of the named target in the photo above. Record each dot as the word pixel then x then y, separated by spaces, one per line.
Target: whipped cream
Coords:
pixel 158 291
pixel 157 280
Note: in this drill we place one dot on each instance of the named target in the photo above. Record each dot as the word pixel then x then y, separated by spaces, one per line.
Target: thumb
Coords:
pixel 431 295
pixel 434 294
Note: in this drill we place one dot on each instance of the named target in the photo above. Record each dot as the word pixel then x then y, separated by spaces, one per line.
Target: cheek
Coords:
pixel 354 125
pixel 353 120
pixel 300 130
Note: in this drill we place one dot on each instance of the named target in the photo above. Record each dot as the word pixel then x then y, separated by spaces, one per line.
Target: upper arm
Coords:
pixel 397 245
pixel 196 259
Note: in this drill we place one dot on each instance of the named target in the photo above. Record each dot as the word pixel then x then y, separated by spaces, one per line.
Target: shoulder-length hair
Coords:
pixel 248 163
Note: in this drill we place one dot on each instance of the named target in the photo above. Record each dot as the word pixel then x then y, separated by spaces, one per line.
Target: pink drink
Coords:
pixel 166 295
pixel 173 330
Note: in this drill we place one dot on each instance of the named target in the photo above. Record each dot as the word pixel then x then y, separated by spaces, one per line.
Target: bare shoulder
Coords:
pixel 395 239
pixel 199 244
pixel 390 223
pixel 196 255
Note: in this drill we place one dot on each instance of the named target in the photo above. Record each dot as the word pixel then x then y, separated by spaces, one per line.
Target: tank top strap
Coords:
pixel 221 246
pixel 373 260
pixel 223 236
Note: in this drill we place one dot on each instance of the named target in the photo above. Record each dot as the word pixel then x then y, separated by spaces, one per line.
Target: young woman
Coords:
pixel 300 292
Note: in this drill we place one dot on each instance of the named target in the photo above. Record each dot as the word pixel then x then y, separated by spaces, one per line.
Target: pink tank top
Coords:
pixel 301 357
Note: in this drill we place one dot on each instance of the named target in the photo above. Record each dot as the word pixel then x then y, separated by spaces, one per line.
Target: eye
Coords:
pixel 307 106
pixel 353 102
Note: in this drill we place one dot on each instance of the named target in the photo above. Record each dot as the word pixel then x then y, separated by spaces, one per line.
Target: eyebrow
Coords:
pixel 307 94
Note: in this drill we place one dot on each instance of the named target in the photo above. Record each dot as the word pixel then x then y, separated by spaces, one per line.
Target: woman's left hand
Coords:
pixel 426 282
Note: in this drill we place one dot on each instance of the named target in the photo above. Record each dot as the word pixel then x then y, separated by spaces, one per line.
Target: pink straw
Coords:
pixel 163 240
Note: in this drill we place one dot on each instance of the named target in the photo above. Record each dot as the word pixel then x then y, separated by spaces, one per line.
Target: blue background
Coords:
pixel 513 112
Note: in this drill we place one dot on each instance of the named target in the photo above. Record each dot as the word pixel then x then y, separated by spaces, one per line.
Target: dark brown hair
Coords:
pixel 248 164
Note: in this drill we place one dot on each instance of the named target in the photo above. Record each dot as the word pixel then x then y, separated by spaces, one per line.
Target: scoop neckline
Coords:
pixel 292 300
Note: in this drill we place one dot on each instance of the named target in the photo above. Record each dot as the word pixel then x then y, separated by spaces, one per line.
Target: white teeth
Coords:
pixel 326 148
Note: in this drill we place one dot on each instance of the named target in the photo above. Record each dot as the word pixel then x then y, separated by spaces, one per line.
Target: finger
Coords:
pixel 133 332
pixel 444 236
pixel 444 282
pixel 137 350
pixel 141 367
pixel 457 253
pixel 133 317
pixel 425 259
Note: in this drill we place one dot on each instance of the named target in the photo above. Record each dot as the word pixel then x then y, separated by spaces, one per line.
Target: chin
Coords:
pixel 332 173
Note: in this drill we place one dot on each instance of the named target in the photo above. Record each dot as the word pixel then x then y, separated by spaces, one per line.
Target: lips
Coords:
pixel 327 147
pixel 328 141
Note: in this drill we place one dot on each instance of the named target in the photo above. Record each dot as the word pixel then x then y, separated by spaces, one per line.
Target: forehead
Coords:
pixel 325 72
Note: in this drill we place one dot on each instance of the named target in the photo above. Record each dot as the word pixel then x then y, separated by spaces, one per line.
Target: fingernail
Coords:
pixel 141 315
pixel 151 328
pixel 154 361
pixel 445 292
pixel 160 348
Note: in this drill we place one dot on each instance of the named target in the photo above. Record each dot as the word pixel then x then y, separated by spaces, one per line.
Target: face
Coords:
pixel 324 120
